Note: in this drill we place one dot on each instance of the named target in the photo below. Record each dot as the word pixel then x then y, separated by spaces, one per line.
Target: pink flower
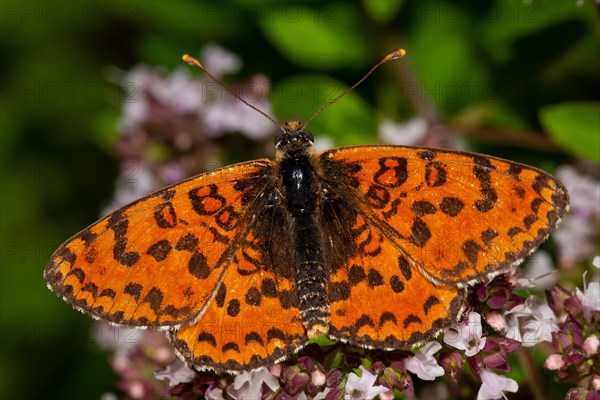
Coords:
pixel 423 364
pixel 220 61
pixel 531 322
pixel 493 385
pixel 590 299
pixel 466 335
pixel 538 272
pixel 136 180
pixel 117 338
pixel 275 370
pixel 318 378
pixel 323 394
pixel 145 87
pixel 214 394
pixel 576 236
pixel 409 133
pixel 248 385
pixel 176 372
pixel 496 321
pixel 361 387
pixel 231 115
pixel 590 345
pixel 554 362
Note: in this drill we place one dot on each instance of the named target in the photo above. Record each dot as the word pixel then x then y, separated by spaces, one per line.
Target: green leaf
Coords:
pixel 326 37
pixel 382 11
pixel 322 340
pixel 350 121
pixel 575 126
pixel 448 71
pixel 334 359
pixel 507 22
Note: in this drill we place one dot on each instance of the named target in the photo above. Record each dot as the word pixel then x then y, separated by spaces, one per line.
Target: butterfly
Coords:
pixel 372 245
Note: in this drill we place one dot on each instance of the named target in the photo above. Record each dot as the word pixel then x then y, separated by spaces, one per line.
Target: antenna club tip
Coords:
pixel 191 60
pixel 398 53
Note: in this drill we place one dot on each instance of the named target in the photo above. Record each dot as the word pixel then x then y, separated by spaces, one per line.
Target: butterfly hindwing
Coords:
pixel 157 261
pixel 254 319
pixel 378 300
pixel 459 217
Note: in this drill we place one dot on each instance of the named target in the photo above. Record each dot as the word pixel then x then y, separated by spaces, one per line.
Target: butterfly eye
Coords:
pixel 308 136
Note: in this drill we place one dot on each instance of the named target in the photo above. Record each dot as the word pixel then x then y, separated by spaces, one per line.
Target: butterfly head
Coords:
pixel 293 136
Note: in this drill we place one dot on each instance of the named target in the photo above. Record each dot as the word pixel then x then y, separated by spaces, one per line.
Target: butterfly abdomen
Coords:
pixel 300 185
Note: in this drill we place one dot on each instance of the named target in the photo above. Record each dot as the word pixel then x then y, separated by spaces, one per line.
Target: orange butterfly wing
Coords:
pixel 254 319
pixel 158 261
pixel 379 301
pixel 459 217
pixel 428 222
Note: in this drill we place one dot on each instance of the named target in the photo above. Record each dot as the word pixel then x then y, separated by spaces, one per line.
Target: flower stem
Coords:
pixel 532 372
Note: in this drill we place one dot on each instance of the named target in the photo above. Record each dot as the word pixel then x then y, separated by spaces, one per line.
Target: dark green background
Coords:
pixel 488 67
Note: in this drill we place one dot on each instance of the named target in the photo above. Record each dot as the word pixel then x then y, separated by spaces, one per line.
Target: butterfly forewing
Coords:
pixel 458 217
pixel 158 261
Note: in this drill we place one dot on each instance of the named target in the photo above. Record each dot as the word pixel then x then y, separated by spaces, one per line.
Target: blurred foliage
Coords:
pixel 575 126
pixel 506 64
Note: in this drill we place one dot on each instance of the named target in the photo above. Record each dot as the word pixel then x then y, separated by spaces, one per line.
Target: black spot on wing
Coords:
pixel 422 207
pixel 374 278
pixel 275 333
pixel 488 235
pixel 133 289
pixel 451 206
pixel 396 284
pixel 411 319
pixel 420 233
pixel 207 338
pixel 269 288
pixel 426 155
pixel 164 215
pixel 221 294
pixel 230 346
pixel 154 298
pixel 188 242
pixel 356 274
pixel 515 230
pixel 253 297
pixel 108 293
pixel 430 302
pixel 481 170
pixel 405 268
pixel 77 273
pixel 159 250
pixel 253 337
pixel 364 320
pixel 198 266
pixel 387 316
pixel 91 288
pixel 337 291
pixel 535 204
pixel 233 308
pixel 529 220
pixel 471 249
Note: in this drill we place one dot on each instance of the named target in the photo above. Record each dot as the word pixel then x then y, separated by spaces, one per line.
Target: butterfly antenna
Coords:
pixel 192 61
pixel 398 53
